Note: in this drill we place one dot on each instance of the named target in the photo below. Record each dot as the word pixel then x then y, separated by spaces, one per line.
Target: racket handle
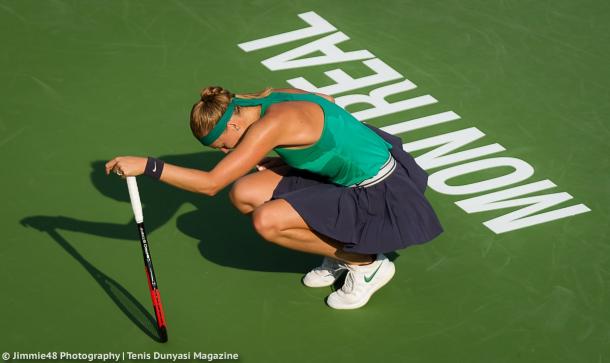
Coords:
pixel 134 196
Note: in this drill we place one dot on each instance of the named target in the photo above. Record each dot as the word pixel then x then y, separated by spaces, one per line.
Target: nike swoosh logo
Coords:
pixel 155 168
pixel 368 279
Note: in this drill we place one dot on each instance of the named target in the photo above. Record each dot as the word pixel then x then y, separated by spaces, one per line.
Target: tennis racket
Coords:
pixel 136 205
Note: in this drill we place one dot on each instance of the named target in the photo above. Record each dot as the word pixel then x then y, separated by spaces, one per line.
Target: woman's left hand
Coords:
pixel 125 166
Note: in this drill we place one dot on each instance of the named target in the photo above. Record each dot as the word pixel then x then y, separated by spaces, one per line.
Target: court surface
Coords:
pixel 84 81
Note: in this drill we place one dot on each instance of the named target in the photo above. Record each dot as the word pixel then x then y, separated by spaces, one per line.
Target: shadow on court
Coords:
pixel 226 237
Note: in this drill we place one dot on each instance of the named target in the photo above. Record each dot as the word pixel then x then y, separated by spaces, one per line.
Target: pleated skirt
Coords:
pixel 388 216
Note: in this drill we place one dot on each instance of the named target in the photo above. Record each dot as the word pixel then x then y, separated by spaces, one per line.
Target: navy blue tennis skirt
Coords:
pixel 388 216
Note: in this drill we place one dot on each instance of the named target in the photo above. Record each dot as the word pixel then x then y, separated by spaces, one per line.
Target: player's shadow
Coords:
pixel 226 237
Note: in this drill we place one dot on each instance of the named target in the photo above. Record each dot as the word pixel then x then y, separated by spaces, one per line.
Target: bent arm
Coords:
pixel 260 139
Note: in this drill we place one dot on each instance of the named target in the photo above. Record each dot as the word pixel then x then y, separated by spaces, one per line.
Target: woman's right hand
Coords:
pixel 270 162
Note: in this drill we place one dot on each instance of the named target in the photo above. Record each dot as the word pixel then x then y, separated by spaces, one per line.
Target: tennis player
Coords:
pixel 339 188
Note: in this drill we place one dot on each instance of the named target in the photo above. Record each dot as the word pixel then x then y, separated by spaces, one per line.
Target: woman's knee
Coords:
pixel 241 196
pixel 265 222
pixel 253 190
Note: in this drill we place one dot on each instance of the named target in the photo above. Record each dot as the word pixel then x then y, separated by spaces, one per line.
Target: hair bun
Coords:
pixel 209 93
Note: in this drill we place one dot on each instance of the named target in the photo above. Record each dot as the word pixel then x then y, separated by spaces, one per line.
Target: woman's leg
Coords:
pixel 278 222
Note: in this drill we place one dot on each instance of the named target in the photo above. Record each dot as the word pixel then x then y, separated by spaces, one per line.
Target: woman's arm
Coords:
pixel 192 180
pixel 260 139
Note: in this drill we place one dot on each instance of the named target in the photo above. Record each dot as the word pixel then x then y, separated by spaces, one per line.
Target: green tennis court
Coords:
pixel 504 103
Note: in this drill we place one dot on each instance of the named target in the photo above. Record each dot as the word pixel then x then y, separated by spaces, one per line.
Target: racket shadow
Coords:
pixel 123 299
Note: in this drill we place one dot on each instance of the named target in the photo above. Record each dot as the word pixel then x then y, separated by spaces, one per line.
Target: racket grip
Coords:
pixel 134 196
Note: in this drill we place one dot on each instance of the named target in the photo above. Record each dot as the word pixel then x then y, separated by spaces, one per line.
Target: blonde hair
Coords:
pixel 213 102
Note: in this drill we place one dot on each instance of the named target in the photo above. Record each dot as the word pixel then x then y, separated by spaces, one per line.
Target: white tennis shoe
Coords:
pixel 361 283
pixel 325 274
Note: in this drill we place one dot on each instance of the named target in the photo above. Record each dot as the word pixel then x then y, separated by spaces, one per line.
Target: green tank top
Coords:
pixel 347 152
